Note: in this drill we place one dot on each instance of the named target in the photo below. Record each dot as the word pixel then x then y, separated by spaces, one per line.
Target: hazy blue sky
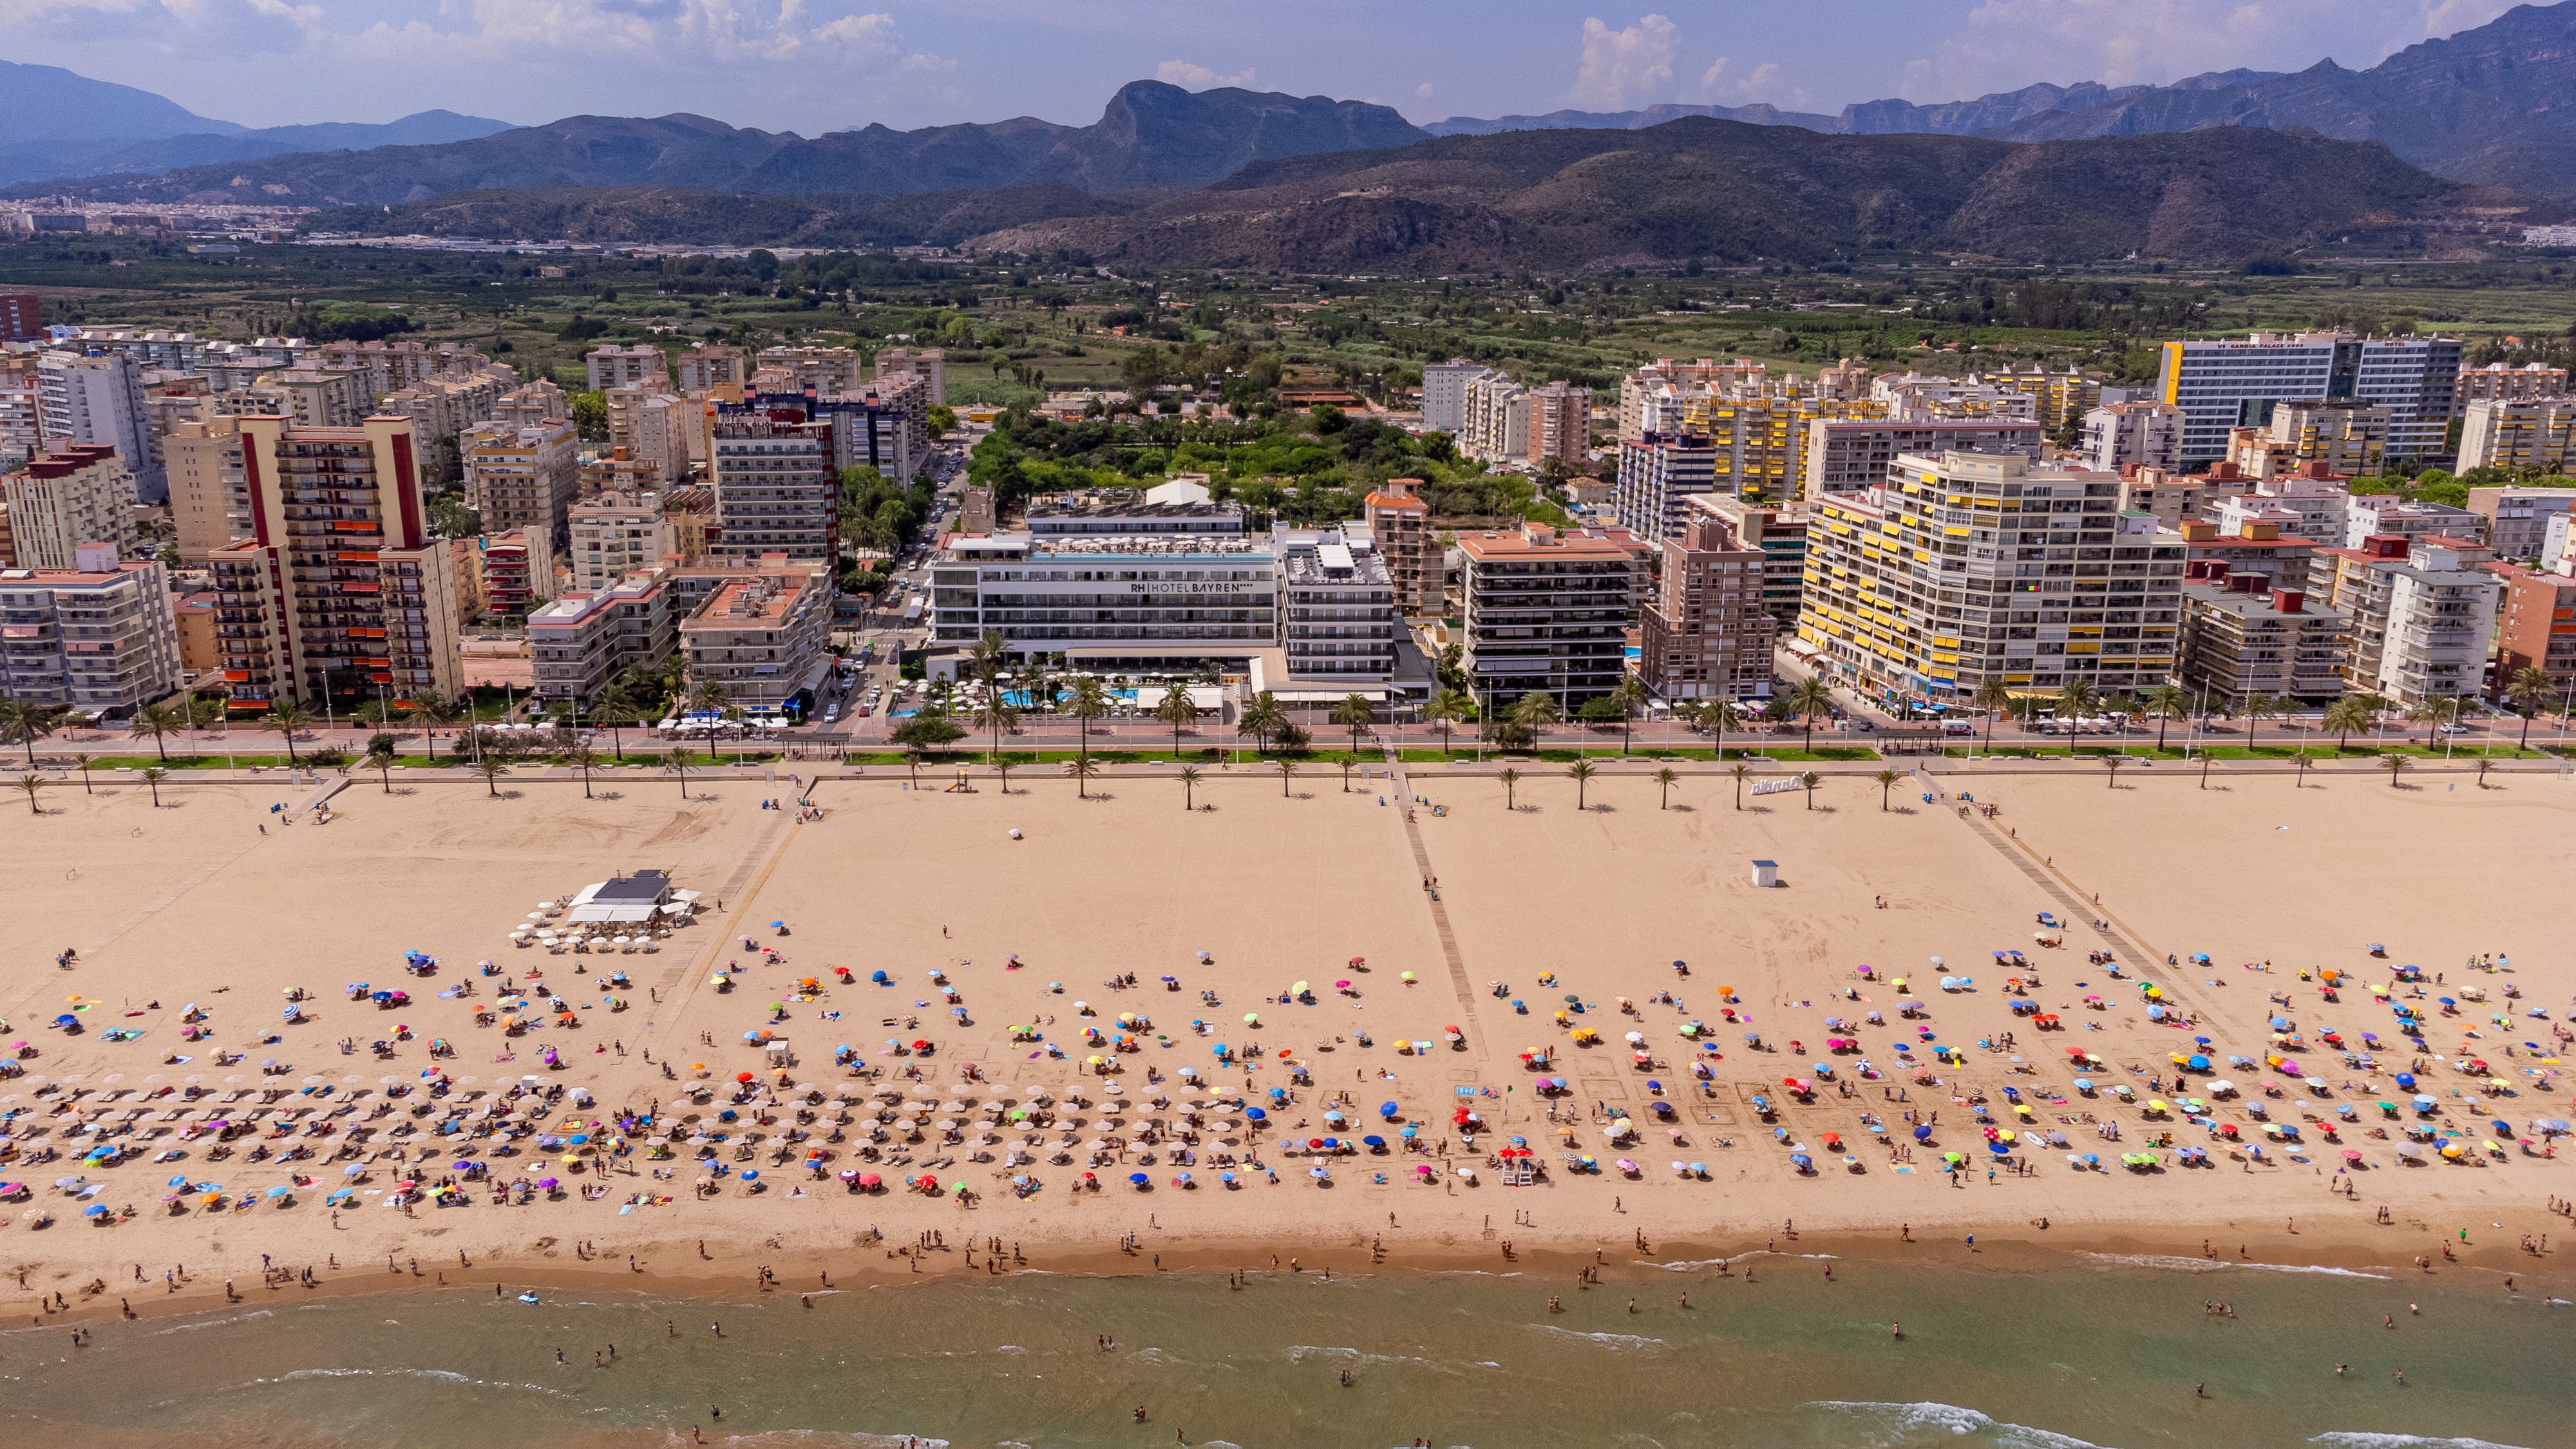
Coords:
pixel 817 65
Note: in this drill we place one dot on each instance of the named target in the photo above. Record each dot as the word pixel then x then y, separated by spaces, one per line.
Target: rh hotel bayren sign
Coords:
pixel 1163 586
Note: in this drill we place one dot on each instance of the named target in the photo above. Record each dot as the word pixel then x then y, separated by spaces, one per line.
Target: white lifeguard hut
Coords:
pixel 1766 873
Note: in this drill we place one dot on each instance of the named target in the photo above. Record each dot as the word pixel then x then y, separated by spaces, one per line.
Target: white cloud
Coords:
pixel 1198 77
pixel 2003 44
pixel 1621 67
pixel 1423 90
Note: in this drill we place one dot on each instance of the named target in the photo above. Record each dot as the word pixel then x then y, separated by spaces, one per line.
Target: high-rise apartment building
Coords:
pixel 2132 434
pixel 22 419
pixel 928 365
pixel 341 592
pixel 2518 518
pixel 2539 627
pixel 1338 606
pixel 829 371
pixel 1548 611
pixel 763 638
pixel 2497 381
pixel 2535 434
pixel 1444 394
pixel 1659 474
pixel 652 426
pixel 2236 383
pixel 580 643
pixel 2241 639
pixel 1967 567
pixel 2347 435
pixel 638 365
pixel 519 478
pixel 1505 422
pixel 518 568
pixel 616 534
pixel 22 317
pixel 1852 454
pixel 99 637
pixel 69 498
pixel 711 365
pixel 2372 515
pixel 1400 521
pixel 776 491
pixel 97 398
pixel 1780 531
pixel 209 499
pixel 2420 618
pixel 1706 635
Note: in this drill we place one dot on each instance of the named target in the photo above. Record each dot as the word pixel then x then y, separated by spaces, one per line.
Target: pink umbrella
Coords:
pixel 1626 1166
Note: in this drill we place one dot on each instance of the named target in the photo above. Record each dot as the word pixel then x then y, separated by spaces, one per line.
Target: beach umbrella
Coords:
pixel 279 1191
pixel 94 1210
pixel 1800 1161
pixel 1922 1133
pixel 1409 1133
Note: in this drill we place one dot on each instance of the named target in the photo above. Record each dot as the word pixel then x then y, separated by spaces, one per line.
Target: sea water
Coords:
pixel 2081 1350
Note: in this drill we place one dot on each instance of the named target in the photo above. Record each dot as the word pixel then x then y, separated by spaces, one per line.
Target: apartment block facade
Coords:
pixel 100 637
pixel 341 590
pixel 1707 635
pixel 1851 455
pixel 75 496
pixel 637 365
pixel 763 637
pixel 1971 566
pixel 2241 639
pixel 1549 611
pixel 616 534
pixel 1400 520
pixel 519 478
pixel 2133 435
pixel 2237 382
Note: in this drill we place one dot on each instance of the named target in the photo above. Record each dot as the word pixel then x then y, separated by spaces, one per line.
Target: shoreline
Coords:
pixel 801 1269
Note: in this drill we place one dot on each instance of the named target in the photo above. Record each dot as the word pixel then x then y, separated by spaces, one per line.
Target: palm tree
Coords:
pixel 286 717
pixel 492 768
pixel 2114 763
pixel 430 709
pixel 1993 696
pixel 2078 697
pixel 1581 773
pixel 1629 697
pixel 677 763
pixel 709 696
pixel 994 712
pixel 2348 716
pixel 1346 759
pixel 1739 772
pixel 1082 768
pixel 1809 781
pixel 2257 708
pixel 1189 787
pixel 2528 689
pixel 616 708
pixel 84 761
pixel 2301 782
pixel 1002 769
pixel 1090 701
pixel 1446 709
pixel 380 758
pixel 2395 764
pixel 1808 698
pixel 1287 767
pixel 1355 714
pixel 1536 711
pixel 153 775
pixel 1261 719
pixel 1886 782
pixel 157 722
pixel 1511 779
pixel 31 783
pixel 1176 710
pixel 2484 764
pixel 1665 777
pixel 1715 715
pixel 2163 704
pixel 25 722
pixel 584 759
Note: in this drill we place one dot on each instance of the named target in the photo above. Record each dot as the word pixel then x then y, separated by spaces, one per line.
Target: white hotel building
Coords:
pixel 2234 383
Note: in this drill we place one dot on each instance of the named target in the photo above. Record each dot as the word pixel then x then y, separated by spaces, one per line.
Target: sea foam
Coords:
pixel 1934 1417
pixel 2364 1439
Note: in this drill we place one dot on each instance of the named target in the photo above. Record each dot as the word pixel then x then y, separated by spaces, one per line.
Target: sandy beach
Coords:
pixel 194 905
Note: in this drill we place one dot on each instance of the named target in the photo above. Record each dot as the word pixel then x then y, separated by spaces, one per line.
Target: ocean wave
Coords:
pixel 2179 1263
pixel 1298 1353
pixel 2155 1260
pixel 444 1376
pixel 2313 1268
pixel 1606 1340
pixel 2364 1439
pixel 212 1322
pixel 1930 1417
pixel 1689 1265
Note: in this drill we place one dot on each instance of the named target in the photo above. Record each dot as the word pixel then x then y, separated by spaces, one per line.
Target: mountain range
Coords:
pixel 1150 136
pixel 59 123
pixel 1731 192
pixel 2495 105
